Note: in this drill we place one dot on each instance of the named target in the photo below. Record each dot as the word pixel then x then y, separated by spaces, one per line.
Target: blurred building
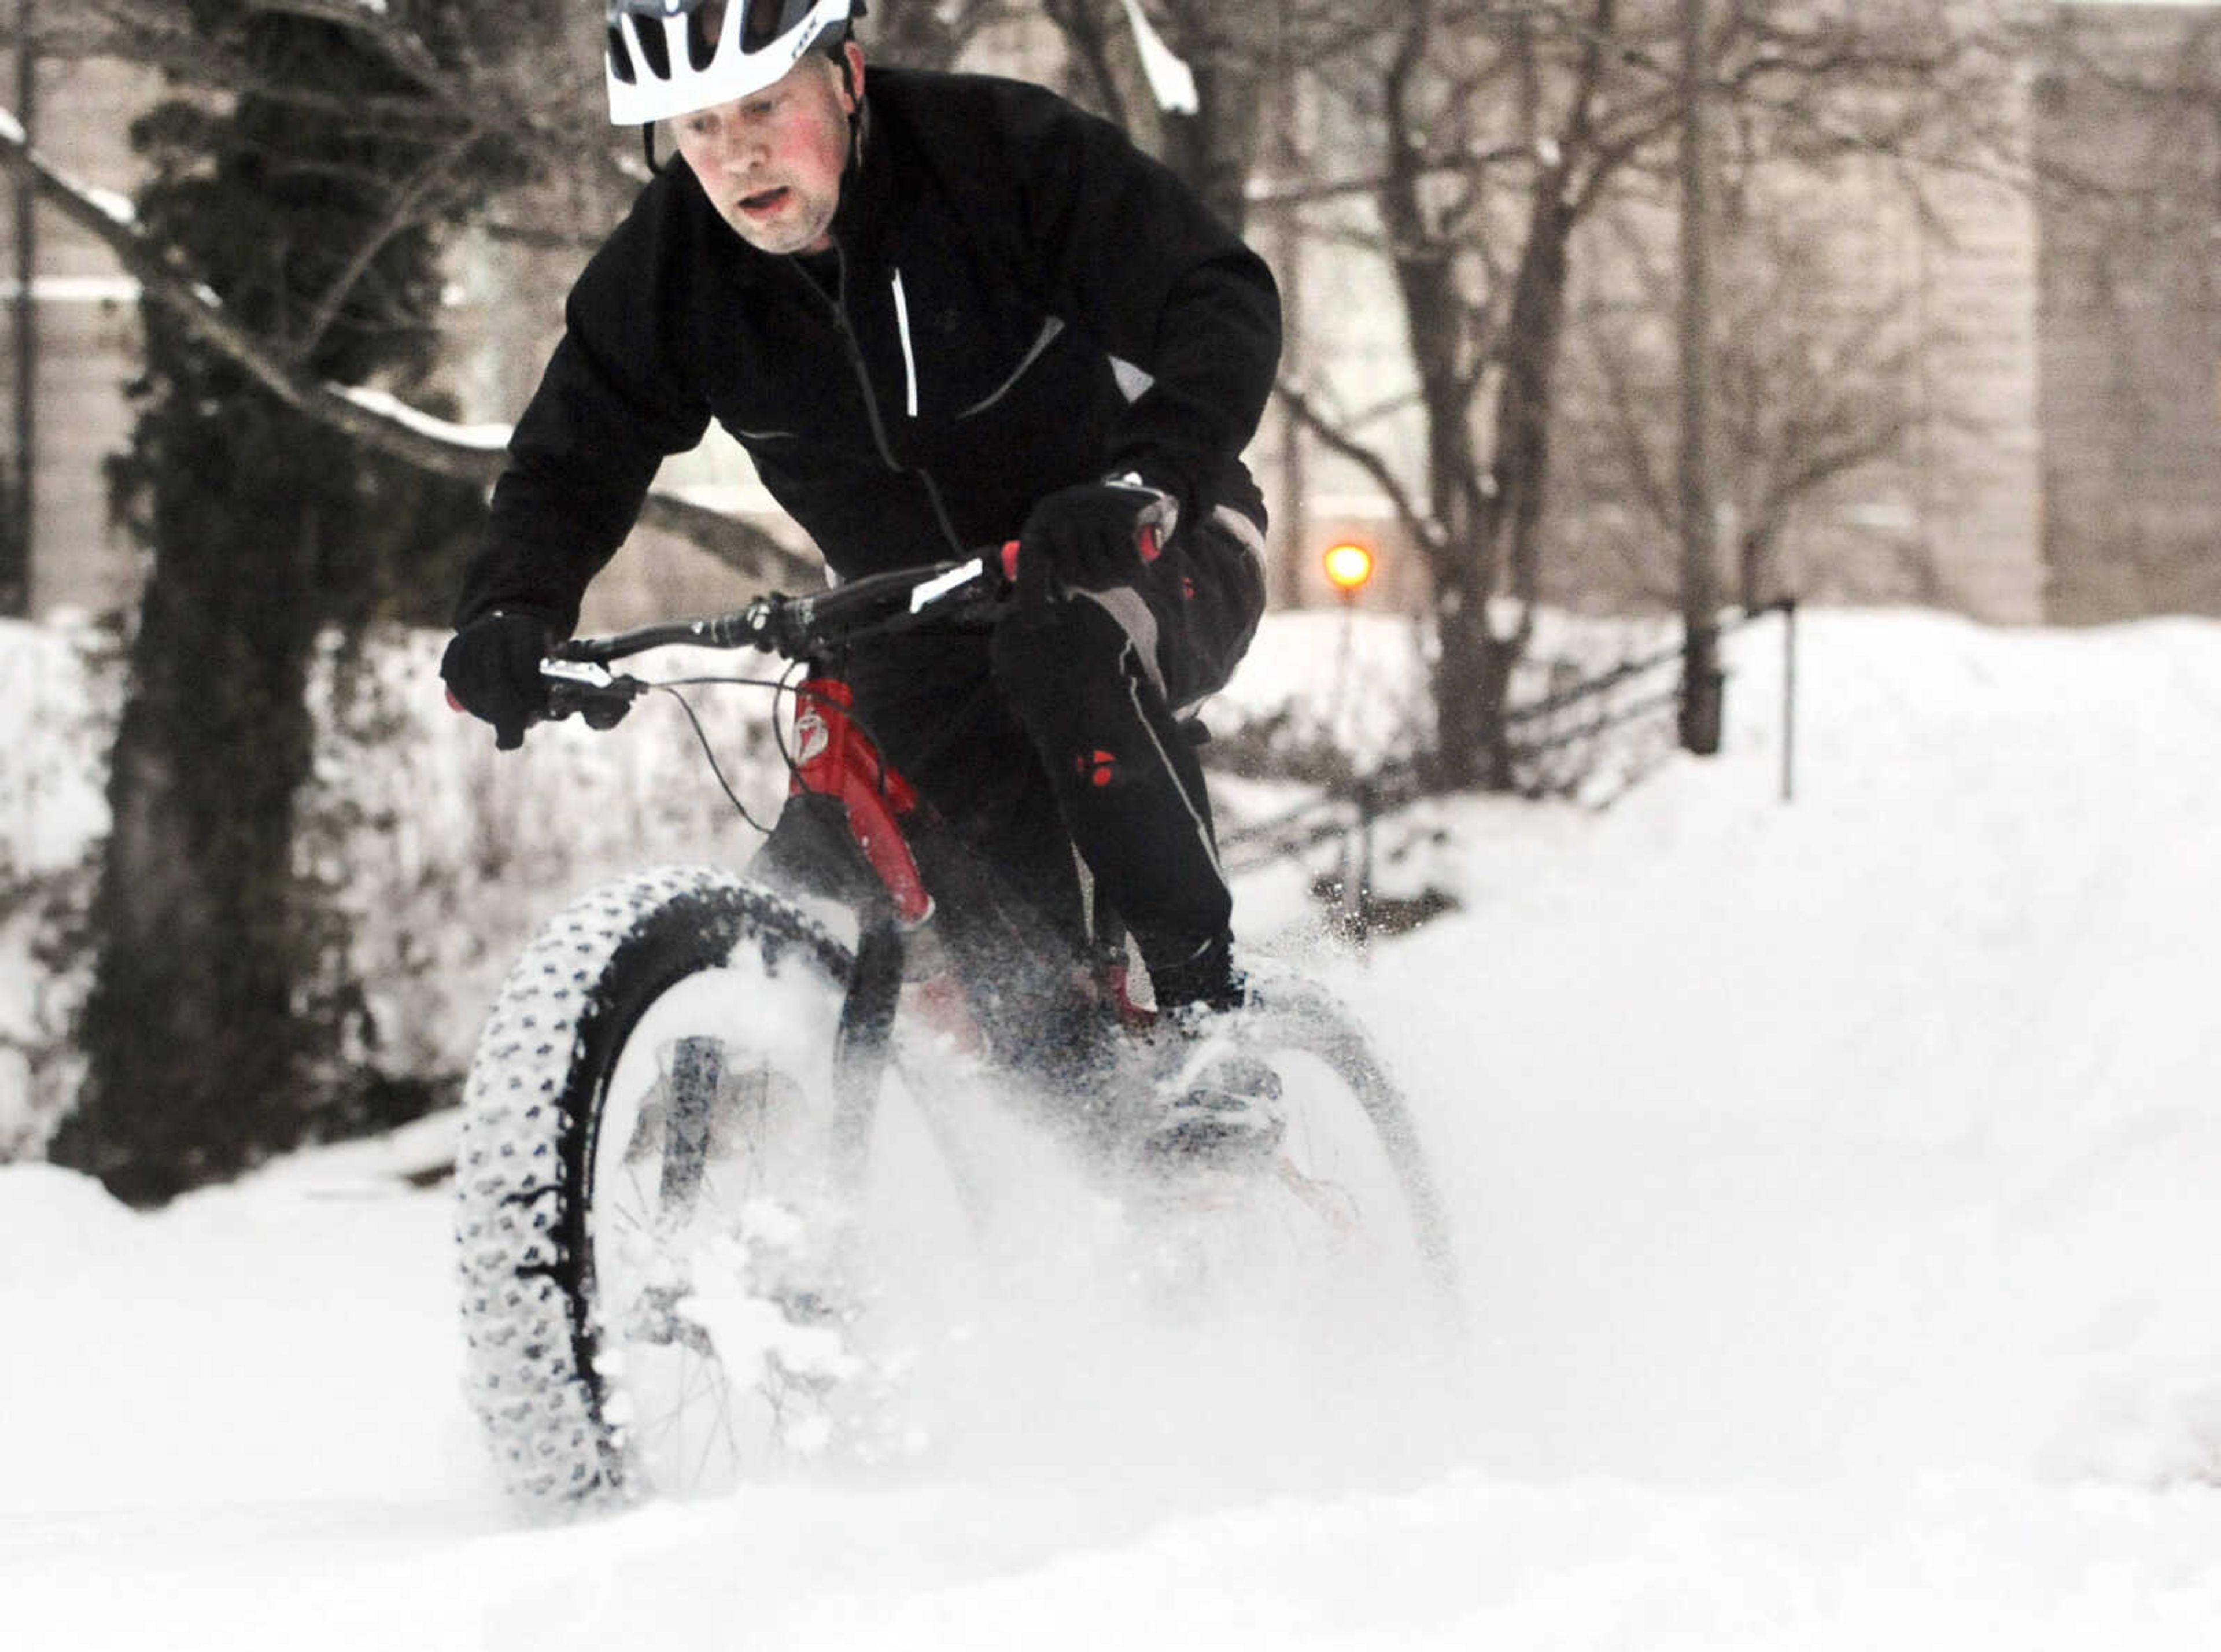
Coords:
pixel 76 321
pixel 2126 124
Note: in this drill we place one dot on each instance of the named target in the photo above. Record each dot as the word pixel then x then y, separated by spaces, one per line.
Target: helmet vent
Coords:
pixel 655 47
pixel 701 44
pixel 767 20
pixel 620 57
pixel 670 57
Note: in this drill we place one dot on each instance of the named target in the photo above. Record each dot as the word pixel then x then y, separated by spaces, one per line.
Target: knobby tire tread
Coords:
pixel 531 1118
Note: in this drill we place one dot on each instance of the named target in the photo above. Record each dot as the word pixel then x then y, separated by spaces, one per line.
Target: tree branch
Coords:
pixel 399 45
pixel 400 215
pixel 464 453
pixel 1419 525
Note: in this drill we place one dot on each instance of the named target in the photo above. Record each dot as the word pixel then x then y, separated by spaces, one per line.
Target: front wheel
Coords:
pixel 650 1194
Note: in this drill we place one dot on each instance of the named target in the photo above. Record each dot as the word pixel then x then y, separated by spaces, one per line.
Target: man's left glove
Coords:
pixel 492 671
pixel 1093 537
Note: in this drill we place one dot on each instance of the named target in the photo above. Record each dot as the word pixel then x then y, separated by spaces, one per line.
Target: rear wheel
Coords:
pixel 1346 1217
pixel 651 1207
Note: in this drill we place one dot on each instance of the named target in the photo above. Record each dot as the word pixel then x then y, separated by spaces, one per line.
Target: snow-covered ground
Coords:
pixel 1836 1184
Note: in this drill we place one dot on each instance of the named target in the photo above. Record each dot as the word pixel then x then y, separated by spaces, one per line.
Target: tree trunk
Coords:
pixel 1492 549
pixel 916 33
pixel 198 1061
pixel 19 494
pixel 1215 149
pixel 1471 683
pixel 1701 672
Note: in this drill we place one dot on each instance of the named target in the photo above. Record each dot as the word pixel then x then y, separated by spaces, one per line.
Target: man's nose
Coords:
pixel 739 148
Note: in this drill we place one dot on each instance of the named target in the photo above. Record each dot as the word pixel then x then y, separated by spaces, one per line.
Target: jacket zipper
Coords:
pixel 854 348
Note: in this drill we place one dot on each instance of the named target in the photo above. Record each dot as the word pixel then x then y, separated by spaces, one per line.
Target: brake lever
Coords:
pixel 596 696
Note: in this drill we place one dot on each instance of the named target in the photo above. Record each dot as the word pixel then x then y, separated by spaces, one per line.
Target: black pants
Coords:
pixel 1058 730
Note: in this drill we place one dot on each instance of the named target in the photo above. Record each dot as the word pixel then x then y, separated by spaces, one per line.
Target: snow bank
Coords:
pixel 1833 1183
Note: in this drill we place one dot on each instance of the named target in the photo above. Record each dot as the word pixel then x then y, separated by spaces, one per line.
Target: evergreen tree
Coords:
pixel 311 201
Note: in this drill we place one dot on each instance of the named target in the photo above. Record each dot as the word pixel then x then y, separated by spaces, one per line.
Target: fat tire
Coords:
pixel 1287 1012
pixel 532 1114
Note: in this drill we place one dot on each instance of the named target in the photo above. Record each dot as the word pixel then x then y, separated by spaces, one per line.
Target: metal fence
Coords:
pixel 1569 722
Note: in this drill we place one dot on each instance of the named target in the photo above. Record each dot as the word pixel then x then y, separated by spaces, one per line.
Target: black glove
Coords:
pixel 1093 537
pixel 492 670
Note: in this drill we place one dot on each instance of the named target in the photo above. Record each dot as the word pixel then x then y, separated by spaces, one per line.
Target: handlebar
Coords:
pixel 796 628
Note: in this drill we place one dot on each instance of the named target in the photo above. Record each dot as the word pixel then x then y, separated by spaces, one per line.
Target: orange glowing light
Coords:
pixel 1349 566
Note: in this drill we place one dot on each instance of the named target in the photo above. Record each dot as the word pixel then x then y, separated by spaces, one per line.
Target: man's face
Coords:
pixel 770 163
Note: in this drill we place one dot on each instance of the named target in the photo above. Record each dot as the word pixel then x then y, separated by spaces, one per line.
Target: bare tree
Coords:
pixel 1491 134
pixel 1230 48
pixel 1817 378
pixel 930 34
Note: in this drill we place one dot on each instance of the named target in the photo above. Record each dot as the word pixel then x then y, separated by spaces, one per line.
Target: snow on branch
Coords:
pixel 467 453
pixel 1170 79
pixel 160 273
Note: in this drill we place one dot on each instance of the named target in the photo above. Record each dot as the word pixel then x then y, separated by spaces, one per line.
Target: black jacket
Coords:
pixel 1004 262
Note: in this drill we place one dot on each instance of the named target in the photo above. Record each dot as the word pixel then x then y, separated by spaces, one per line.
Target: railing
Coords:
pixel 1351 810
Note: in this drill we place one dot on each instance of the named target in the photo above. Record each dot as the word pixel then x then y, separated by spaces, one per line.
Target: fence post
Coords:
pixel 1788 699
pixel 21 495
pixel 1356 903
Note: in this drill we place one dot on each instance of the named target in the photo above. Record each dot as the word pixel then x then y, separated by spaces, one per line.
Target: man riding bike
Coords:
pixel 940 312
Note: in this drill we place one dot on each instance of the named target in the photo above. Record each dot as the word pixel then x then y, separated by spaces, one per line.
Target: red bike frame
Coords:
pixel 835 758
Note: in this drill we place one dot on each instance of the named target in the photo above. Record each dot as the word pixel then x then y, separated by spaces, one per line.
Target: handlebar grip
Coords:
pixel 602 714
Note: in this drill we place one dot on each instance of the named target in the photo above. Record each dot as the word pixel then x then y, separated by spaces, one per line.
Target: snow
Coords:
pixel 1833 1183
pixel 487 437
pixel 1171 81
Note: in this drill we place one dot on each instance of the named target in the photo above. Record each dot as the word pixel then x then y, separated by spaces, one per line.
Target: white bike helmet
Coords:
pixel 662 63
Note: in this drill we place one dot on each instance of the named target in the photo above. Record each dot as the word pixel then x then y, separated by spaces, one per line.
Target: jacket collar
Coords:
pixel 866 190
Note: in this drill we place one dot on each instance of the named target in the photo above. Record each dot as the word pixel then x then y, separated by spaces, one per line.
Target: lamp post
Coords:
pixel 1701 683
pixel 16 533
pixel 1349 568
